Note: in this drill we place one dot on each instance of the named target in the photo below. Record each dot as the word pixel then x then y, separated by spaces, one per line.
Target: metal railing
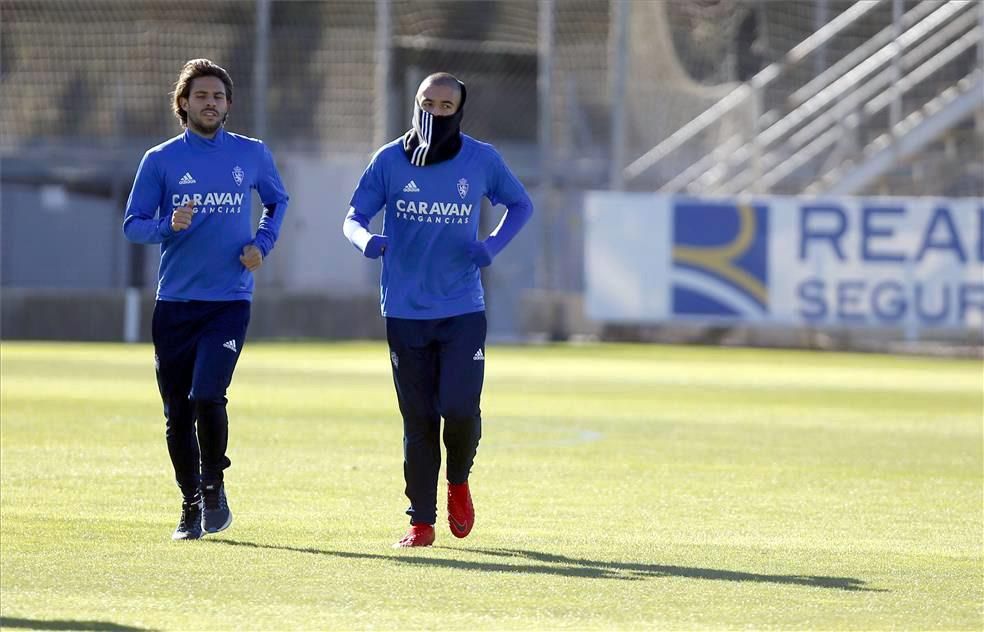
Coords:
pixel 739 96
pixel 842 96
pixel 862 106
pixel 909 136
pixel 827 111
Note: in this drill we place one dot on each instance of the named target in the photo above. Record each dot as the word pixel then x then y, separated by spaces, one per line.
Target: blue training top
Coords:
pixel 214 176
pixel 432 215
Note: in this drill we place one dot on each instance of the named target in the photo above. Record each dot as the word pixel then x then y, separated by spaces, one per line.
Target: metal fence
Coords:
pixel 571 91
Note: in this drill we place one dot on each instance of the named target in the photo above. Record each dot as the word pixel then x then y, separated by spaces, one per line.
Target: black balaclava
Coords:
pixel 433 139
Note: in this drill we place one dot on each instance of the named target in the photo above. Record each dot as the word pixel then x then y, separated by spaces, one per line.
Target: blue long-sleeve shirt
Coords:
pixel 214 176
pixel 432 215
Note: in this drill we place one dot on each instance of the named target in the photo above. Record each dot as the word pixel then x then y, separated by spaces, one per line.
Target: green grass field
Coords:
pixel 616 486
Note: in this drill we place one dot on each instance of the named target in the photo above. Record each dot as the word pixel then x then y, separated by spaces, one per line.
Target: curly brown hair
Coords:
pixel 192 70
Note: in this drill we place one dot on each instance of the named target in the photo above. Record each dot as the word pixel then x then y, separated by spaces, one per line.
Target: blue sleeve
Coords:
pixel 274 197
pixel 369 197
pixel 505 188
pixel 140 222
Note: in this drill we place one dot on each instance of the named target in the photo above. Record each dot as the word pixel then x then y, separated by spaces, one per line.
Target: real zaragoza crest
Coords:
pixel 462 188
pixel 238 174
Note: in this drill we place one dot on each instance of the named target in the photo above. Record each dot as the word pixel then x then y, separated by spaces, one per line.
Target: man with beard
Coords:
pixel 191 194
pixel 432 181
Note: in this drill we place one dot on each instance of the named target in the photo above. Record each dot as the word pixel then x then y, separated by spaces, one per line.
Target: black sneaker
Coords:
pixel 216 515
pixel 190 524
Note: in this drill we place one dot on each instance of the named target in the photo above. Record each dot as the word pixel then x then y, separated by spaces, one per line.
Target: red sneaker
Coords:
pixel 418 535
pixel 461 512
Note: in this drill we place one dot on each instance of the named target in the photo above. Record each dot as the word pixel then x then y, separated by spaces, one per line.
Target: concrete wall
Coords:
pixel 30 314
pixel 64 262
pixel 50 237
pixel 312 254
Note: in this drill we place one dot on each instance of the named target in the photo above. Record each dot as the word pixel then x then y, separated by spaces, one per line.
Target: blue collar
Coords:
pixel 205 144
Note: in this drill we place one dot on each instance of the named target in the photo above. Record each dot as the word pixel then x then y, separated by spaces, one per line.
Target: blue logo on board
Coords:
pixel 720 259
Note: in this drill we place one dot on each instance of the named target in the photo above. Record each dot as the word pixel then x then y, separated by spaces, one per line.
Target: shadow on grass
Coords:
pixel 548 564
pixel 64 624
pixel 641 571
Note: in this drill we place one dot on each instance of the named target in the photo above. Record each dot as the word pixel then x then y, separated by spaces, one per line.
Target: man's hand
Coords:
pixel 479 253
pixel 251 258
pixel 376 246
pixel 181 218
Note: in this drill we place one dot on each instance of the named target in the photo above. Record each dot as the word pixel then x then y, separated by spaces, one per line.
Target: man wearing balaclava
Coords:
pixel 431 182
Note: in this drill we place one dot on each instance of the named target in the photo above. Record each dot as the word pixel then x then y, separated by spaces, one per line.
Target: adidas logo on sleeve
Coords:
pixel 479 356
pixel 411 187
